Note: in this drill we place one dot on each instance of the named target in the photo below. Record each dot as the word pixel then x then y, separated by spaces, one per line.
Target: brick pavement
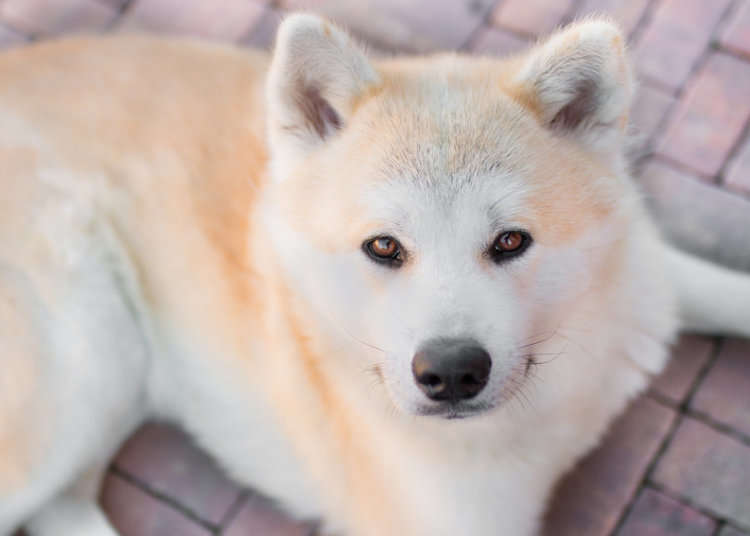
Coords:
pixel 678 461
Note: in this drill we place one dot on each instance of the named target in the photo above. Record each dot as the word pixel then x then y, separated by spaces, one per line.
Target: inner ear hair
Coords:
pixel 317 111
pixel 581 105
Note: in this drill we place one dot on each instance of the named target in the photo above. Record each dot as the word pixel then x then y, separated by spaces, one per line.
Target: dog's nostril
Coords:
pixel 433 380
pixel 451 369
pixel 469 379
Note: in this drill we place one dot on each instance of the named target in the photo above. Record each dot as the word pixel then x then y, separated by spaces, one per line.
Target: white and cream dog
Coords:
pixel 403 296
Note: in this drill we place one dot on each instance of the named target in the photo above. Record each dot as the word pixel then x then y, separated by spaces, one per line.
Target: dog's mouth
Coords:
pixel 451 411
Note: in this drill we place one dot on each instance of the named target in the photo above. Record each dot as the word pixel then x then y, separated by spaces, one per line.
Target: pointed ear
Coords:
pixel 316 74
pixel 579 82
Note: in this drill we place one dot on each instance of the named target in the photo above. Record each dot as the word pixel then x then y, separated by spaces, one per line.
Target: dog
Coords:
pixel 401 296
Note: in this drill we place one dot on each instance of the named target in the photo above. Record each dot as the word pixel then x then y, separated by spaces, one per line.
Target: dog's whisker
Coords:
pixel 334 321
pixel 540 341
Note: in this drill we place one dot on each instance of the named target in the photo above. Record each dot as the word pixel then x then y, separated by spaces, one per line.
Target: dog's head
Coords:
pixel 443 212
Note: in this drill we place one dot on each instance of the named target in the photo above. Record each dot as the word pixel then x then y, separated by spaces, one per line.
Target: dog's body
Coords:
pixel 160 258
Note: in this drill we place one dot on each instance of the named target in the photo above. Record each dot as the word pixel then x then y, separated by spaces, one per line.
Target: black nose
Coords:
pixel 451 369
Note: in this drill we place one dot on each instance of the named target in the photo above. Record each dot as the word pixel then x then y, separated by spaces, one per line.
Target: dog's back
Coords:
pixel 114 152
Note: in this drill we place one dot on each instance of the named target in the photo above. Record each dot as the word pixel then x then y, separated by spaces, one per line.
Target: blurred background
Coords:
pixel 678 462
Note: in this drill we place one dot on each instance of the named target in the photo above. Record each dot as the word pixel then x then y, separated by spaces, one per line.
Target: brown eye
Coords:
pixel 385 250
pixel 509 241
pixel 384 247
pixel 509 244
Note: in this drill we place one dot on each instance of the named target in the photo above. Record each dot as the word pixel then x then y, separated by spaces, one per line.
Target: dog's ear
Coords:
pixel 579 82
pixel 316 74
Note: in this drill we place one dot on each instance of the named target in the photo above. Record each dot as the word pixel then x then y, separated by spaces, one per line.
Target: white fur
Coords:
pixel 712 299
pixel 90 357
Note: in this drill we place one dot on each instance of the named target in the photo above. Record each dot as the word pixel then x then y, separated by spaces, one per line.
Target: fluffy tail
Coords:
pixel 712 299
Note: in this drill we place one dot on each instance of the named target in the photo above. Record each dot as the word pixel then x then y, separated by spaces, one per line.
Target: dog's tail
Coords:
pixel 712 299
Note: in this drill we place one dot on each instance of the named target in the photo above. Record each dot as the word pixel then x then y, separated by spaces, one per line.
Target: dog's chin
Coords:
pixel 461 410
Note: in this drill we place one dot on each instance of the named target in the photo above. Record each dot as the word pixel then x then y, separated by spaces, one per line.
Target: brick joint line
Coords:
pixel 164 498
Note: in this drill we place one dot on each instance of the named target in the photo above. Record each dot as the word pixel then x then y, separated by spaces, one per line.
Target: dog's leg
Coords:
pixel 74 512
pixel 712 299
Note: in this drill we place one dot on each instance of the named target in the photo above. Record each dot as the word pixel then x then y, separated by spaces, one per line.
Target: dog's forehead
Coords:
pixel 448 146
pixel 449 131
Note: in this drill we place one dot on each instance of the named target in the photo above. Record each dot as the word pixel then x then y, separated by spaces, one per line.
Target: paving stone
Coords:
pixel 531 17
pixel 657 514
pixel 263 33
pixel 627 14
pixel 709 469
pixel 738 170
pixel 260 517
pixel 677 35
pixel 698 217
pixel 689 356
pixel 53 16
pixel 710 116
pixel 118 4
pixel 731 531
pixel 736 36
pixel 135 513
pixel 198 17
pixel 10 37
pixel 592 498
pixel 497 42
pixel 649 109
pixel 415 25
pixel 724 394
pixel 165 460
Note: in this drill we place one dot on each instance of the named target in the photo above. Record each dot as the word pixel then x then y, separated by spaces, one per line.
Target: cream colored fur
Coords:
pixel 180 238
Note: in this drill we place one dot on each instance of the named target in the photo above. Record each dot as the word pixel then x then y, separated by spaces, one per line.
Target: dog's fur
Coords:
pixel 180 237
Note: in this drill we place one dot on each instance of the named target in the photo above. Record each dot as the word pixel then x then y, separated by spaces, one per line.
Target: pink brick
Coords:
pixel 657 514
pixel 676 37
pixel 398 25
pixel 710 116
pixel 10 37
pixel 56 16
pixel 592 498
pixel 226 21
pixel 531 17
pixel 725 392
pixel 708 468
pixel 649 109
pixel 263 33
pixel 118 4
pixel 497 42
pixel 738 171
pixel 165 460
pixel 627 14
pixel 259 516
pixel 689 356
pixel 135 513
pixel 736 36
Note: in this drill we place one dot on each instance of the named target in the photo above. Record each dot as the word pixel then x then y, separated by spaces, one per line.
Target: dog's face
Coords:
pixel 440 213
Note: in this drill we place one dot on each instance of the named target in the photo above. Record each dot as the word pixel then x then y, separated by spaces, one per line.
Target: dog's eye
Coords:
pixel 385 250
pixel 509 244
